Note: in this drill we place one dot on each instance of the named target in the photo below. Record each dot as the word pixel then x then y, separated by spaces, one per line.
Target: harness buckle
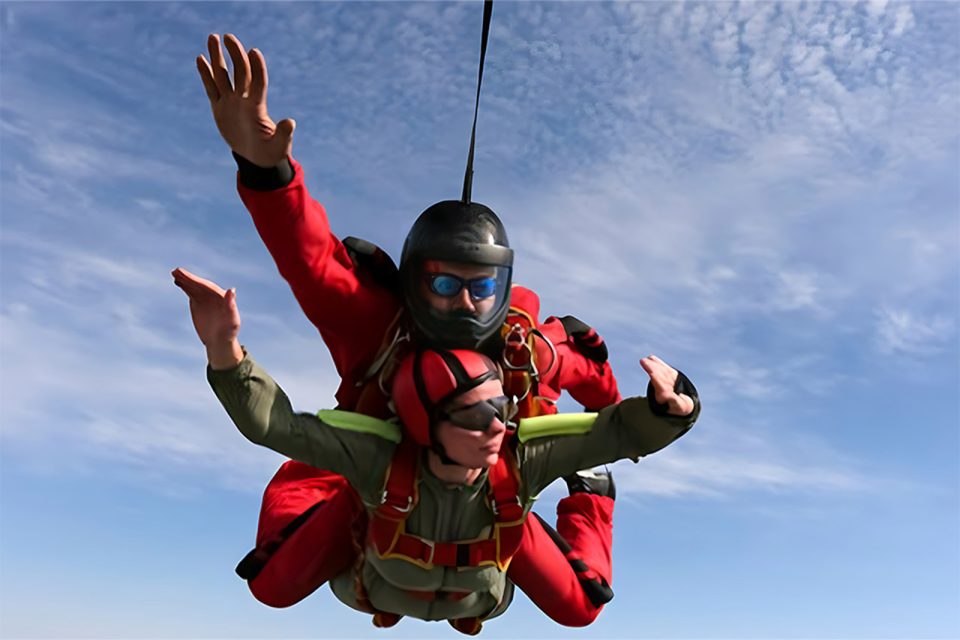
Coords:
pixel 433 548
pixel 406 509
pixel 514 345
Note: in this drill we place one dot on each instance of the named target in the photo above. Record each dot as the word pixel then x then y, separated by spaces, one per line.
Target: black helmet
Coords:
pixel 464 233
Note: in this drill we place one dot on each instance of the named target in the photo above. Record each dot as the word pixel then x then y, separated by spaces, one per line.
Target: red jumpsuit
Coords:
pixel 356 315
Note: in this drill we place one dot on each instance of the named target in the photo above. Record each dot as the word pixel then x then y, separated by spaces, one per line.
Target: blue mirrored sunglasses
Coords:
pixel 448 285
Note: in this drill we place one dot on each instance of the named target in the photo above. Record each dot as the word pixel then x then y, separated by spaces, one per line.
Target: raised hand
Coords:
pixel 663 378
pixel 240 108
pixel 215 318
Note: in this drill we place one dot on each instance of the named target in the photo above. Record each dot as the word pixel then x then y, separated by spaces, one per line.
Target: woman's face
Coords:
pixel 467 447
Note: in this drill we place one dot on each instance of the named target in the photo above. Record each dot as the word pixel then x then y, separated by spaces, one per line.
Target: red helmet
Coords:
pixel 426 381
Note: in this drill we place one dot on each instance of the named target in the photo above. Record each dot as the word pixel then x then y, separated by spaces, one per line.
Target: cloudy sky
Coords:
pixel 765 195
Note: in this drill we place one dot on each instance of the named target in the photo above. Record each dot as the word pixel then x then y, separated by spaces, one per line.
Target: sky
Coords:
pixel 766 195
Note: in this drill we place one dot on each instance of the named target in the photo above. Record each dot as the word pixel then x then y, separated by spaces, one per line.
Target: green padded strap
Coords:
pixel 559 424
pixel 360 423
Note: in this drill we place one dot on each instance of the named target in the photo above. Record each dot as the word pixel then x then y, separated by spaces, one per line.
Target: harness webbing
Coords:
pixel 387 528
pixel 468 176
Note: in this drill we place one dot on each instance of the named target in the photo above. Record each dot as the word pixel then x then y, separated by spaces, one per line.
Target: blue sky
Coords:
pixel 765 195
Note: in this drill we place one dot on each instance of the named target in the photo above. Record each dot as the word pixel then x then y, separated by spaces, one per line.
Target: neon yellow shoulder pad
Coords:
pixel 360 423
pixel 560 424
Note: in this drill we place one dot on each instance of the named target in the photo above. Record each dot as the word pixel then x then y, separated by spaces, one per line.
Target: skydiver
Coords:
pixel 446 499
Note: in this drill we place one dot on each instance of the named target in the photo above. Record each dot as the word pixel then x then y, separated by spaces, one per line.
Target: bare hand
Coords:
pixel 240 108
pixel 663 378
pixel 215 318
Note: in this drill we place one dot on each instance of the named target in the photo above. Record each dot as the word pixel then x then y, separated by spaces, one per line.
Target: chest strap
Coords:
pixel 387 529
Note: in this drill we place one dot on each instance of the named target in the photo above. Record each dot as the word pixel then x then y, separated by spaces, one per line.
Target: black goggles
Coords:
pixel 479 416
pixel 448 285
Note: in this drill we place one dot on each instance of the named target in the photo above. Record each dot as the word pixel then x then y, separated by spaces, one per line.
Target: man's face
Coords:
pixel 462 301
pixel 470 448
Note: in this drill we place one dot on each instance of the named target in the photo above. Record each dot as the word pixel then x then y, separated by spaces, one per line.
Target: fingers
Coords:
pixel 647 365
pixel 241 65
pixel 219 65
pixel 652 364
pixel 284 131
pixel 206 76
pixel 258 77
pixel 684 405
pixel 283 136
pixel 197 288
pixel 663 377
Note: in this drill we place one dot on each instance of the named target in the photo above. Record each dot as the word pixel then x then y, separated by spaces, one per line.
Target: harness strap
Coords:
pixel 401 484
pixel 387 528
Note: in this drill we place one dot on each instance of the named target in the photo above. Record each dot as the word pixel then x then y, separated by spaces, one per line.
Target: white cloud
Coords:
pixel 797 290
pixel 906 332
pixel 876 8
pixel 904 20
pixel 716 476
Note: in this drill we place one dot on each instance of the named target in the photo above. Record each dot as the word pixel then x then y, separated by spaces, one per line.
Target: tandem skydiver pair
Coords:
pixel 449 312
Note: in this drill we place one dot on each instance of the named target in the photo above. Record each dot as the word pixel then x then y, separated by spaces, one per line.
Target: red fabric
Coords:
pixel 439 382
pixel 590 383
pixel 586 522
pixel 542 571
pixel 350 311
pixel 353 315
pixel 321 548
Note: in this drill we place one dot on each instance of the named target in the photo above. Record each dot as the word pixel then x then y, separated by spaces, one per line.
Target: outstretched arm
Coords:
pixel 356 447
pixel 554 446
pixel 352 314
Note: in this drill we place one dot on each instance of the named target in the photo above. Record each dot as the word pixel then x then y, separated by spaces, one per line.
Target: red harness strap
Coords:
pixel 528 356
pixel 387 529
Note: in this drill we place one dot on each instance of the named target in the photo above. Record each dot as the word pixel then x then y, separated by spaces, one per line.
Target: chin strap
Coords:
pixel 444 458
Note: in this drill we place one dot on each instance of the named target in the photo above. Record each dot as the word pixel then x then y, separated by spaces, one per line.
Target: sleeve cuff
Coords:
pixel 242 370
pixel 264 179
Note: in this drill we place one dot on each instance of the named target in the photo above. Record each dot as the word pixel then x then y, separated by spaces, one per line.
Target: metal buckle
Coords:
pixel 515 342
pixel 433 548
pixel 383 500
